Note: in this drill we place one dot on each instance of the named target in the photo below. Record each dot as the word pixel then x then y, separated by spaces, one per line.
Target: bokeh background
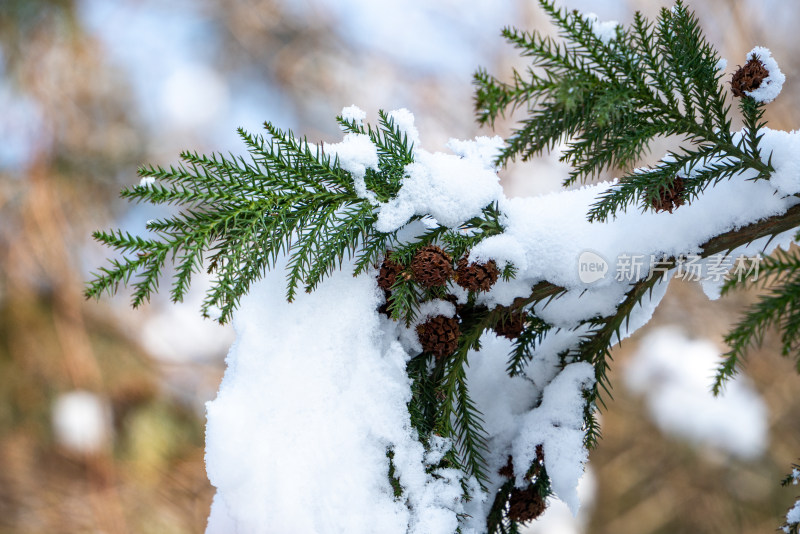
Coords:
pixel 101 407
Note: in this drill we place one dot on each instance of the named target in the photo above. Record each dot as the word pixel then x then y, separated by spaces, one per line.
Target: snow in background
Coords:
pixel 81 421
pixel 21 128
pixel 673 373
pixel 170 49
pixel 164 334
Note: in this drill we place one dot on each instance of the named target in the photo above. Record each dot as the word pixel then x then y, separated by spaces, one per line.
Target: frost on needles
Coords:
pixel 441 369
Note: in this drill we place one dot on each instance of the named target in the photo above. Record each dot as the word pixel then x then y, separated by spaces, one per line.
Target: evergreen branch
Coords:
pixel 497 522
pixel 459 418
pixel 455 414
pixel 525 345
pixel 608 99
pixel 706 166
pixel 792 478
pixel 753 114
pixel 241 214
pixel 468 423
pixel 424 394
pixel 148 256
pixel 778 307
pixel 394 153
pixel 595 347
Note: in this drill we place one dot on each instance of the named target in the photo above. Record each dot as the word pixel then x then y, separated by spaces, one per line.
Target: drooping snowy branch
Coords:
pixel 540 236
pixel 451 383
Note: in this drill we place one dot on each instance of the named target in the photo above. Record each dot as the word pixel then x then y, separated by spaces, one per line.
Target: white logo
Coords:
pixel 591 267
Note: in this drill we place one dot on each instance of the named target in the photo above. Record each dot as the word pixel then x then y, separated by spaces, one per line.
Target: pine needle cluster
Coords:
pixel 607 97
pixel 778 307
pixel 239 215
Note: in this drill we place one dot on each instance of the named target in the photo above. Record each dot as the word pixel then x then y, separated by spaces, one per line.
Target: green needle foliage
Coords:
pixel 608 101
pixel 240 214
pixel 779 307
pixel 789 480
pixel 525 344
pixel 607 98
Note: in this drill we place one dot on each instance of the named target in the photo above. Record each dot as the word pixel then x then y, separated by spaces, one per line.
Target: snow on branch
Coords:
pixel 442 368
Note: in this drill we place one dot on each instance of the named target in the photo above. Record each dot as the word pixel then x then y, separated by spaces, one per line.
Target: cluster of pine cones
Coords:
pixel 432 267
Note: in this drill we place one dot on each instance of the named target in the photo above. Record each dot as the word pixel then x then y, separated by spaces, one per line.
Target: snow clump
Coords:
pixel 771 86
pixel 354 114
pixel 450 188
pixel 605 31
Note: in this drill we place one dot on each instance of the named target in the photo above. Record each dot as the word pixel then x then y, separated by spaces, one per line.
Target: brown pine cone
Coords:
pixel 476 276
pixel 513 325
pixel 670 199
pixel 432 266
pixel 749 77
pixel 525 504
pixel 439 335
pixel 389 272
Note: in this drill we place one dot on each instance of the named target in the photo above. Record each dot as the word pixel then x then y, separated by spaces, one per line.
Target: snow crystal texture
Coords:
pixel 312 399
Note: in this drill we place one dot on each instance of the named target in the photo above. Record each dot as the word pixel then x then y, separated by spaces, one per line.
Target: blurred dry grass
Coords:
pixel 649 483
pixel 150 478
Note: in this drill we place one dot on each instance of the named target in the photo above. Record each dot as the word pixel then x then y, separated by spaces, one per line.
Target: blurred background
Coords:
pixel 101 407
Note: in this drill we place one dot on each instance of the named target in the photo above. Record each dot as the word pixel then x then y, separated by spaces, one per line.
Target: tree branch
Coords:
pixel 731 240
